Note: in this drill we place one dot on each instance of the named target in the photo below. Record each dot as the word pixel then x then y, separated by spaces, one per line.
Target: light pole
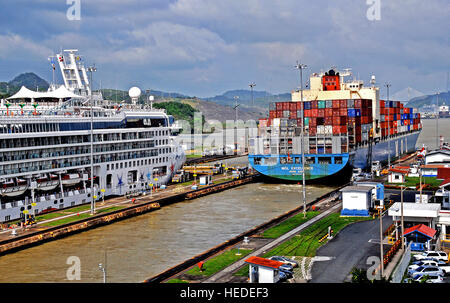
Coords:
pixel 92 69
pixel 389 126
pixel 437 120
pixel 251 89
pixel 103 269
pixel 402 189
pixel 236 105
pixel 380 209
pixel 300 67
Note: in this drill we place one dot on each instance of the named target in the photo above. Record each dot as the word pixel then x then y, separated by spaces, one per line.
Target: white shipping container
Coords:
pixel 328 130
pixel 321 129
pixel 276 122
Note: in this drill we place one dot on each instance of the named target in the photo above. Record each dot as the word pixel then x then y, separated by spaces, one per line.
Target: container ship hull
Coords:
pixel 344 125
pixel 320 169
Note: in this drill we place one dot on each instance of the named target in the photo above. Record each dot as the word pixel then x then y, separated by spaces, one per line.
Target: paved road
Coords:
pixel 349 248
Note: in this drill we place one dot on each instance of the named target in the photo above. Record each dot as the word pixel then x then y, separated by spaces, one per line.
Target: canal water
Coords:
pixel 141 247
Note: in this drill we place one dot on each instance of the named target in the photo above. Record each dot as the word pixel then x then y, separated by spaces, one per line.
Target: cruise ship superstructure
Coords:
pixel 45 145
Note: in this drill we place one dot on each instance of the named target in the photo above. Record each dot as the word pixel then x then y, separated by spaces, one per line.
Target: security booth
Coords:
pixel 262 270
pixel 397 174
pixel 356 200
pixel 415 214
pixel 419 236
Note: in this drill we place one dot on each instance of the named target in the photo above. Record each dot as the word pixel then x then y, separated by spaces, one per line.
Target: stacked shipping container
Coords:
pixel 346 117
pixel 397 119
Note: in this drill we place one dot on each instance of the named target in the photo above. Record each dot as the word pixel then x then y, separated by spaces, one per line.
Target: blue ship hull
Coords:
pixel 318 166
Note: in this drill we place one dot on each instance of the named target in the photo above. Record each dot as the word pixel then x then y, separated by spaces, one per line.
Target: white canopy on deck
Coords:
pixel 60 93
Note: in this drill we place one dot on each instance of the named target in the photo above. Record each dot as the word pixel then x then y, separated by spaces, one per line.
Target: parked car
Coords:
pixel 282 276
pixel 285 260
pixel 426 270
pixel 440 255
pixel 428 279
pixel 286 267
pixel 425 262
pixel 289 274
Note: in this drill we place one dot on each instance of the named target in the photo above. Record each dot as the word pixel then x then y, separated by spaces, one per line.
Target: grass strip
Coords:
pixel 288 225
pixel 219 262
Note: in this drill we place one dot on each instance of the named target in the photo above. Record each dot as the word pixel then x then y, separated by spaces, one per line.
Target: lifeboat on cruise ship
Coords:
pixel 70 179
pixel 14 187
pixel 46 183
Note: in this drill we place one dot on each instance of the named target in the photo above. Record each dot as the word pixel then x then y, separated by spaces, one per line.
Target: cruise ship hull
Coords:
pixel 318 167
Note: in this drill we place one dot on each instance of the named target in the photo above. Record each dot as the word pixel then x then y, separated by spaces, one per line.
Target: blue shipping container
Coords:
pixel 351 113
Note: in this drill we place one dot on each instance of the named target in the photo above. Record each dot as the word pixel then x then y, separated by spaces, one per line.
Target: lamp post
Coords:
pixel 235 123
pixel 102 269
pixel 437 120
pixel 402 189
pixel 389 126
pixel 380 210
pixel 300 67
pixel 251 89
pixel 92 69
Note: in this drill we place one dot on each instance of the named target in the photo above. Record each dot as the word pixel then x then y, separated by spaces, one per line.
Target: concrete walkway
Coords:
pixel 228 270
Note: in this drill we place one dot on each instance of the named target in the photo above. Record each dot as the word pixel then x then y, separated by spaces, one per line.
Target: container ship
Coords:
pixel 63 147
pixel 345 126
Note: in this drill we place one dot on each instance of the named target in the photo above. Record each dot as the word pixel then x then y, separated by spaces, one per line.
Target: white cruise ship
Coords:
pixel 45 145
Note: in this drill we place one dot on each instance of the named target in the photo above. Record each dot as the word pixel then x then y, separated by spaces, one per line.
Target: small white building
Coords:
pixel 356 200
pixel 397 174
pixel 263 270
pixel 431 170
pixel 416 213
pixel 438 156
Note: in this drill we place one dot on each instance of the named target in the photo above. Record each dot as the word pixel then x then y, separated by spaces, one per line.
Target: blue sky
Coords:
pixel 205 47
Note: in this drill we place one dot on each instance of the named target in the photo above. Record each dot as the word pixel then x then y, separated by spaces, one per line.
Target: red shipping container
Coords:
pixel 321 112
pixel 314 104
pixel 286 105
pixel 329 120
pixel 336 112
pixel 328 112
pixel 272 114
pixel 358 137
pixel 292 106
pixel 382 104
pixel 343 103
pixel 279 114
pixel 293 114
pixel 343 112
pixel 307 113
pixel 314 112
pixel 312 131
pixel 336 130
pixel 358 103
pixel 312 122
pixel 279 106
pixel 299 105
pixel 336 104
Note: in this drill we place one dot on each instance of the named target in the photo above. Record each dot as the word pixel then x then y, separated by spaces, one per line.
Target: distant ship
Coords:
pixel 346 125
pixel 45 138
pixel 444 111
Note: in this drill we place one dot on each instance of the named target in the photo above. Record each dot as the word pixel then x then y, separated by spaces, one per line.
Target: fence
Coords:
pixel 397 274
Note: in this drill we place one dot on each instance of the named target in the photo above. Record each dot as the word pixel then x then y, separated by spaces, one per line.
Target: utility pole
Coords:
pixel 389 126
pixel 235 123
pixel 92 69
pixel 300 67
pixel 380 209
pixel 402 189
pixel 251 89
pixel 437 120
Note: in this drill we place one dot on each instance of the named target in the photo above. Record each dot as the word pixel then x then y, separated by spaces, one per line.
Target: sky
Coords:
pixel 206 47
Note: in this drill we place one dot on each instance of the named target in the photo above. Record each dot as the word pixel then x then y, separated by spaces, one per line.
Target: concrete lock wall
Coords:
pixel 399 271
